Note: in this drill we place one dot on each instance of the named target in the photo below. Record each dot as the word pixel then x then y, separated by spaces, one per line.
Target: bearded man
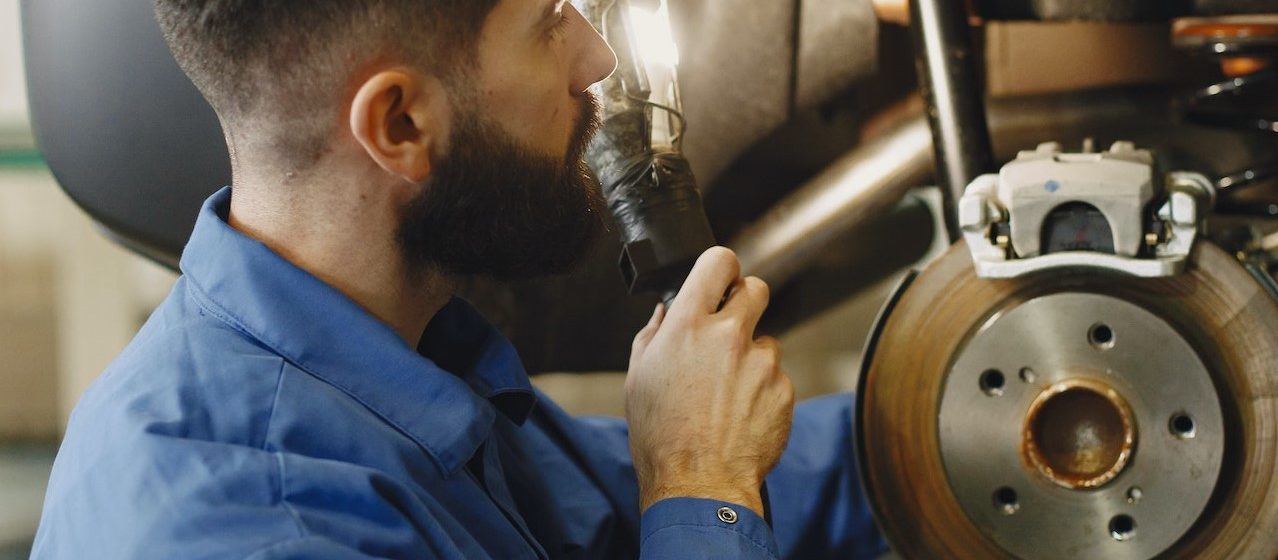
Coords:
pixel 312 389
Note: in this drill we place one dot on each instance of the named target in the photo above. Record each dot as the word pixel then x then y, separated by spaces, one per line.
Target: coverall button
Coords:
pixel 727 515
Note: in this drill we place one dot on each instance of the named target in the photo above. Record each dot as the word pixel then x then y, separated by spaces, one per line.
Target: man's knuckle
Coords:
pixel 758 286
pixel 733 324
pixel 717 255
pixel 772 361
pixel 725 258
pixel 722 252
pixel 679 322
pixel 769 344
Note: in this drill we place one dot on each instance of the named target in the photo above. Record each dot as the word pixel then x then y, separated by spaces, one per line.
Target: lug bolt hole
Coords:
pixel 1134 494
pixel 1122 527
pixel 1006 501
pixel 1182 426
pixel 1028 375
pixel 992 382
pixel 1101 336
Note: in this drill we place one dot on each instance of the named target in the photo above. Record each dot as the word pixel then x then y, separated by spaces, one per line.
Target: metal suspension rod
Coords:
pixel 867 182
pixel 949 74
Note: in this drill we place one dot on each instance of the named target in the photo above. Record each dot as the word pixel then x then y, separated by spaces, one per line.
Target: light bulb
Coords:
pixel 654 36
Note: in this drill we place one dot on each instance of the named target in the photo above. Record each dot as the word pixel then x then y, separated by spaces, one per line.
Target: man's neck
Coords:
pixel 347 240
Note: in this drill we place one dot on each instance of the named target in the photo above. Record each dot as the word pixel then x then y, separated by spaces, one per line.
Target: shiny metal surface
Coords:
pixel 864 184
pixel 1143 498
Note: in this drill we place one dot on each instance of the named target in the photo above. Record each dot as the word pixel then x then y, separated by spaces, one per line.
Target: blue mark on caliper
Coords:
pixel 1052 186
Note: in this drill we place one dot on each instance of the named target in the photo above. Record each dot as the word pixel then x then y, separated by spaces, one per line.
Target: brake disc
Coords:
pixel 1074 414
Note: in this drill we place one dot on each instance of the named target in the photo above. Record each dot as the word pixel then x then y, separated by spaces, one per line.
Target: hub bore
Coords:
pixel 1079 434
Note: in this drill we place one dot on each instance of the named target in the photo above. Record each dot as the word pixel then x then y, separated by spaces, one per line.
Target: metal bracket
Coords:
pixel 1049 210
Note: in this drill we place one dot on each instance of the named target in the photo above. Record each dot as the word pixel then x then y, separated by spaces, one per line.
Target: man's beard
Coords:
pixel 495 208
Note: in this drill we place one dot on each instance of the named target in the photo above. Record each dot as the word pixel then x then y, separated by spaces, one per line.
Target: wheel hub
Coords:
pixel 1079 433
pixel 1059 429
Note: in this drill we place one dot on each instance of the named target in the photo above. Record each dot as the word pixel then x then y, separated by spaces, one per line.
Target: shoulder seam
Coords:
pixel 207 304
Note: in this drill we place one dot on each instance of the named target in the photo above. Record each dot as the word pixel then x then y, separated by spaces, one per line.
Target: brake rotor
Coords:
pixel 1075 414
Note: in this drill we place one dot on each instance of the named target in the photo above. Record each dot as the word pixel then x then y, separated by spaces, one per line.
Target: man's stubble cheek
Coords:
pixel 497 209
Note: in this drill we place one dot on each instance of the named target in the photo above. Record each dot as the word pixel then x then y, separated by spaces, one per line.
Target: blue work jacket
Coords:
pixel 260 413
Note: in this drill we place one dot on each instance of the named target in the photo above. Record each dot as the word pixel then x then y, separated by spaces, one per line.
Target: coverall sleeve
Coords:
pixel 696 528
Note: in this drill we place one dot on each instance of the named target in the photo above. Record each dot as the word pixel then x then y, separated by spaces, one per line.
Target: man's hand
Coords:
pixel 708 405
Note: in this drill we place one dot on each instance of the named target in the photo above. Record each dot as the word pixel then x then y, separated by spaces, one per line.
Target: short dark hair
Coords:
pixel 283 63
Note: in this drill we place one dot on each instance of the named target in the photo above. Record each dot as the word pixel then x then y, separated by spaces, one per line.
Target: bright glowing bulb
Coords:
pixel 653 35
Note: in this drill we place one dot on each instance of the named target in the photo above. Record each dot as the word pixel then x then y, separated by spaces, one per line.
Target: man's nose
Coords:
pixel 596 60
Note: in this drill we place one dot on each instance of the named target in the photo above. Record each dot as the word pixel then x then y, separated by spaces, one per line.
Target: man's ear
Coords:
pixel 399 117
